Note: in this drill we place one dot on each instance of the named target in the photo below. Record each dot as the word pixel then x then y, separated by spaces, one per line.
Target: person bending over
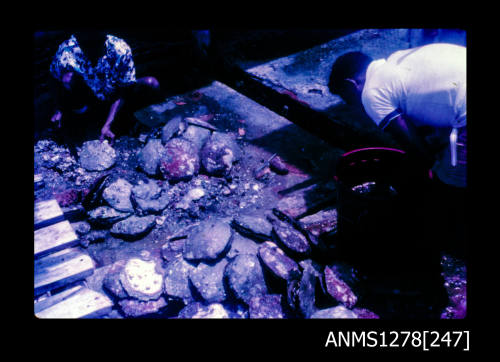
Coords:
pixel 96 70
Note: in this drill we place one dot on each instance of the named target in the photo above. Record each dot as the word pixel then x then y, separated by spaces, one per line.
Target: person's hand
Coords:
pixel 106 133
pixel 56 118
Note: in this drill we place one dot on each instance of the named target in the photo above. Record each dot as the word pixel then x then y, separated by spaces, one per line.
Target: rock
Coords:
pixel 149 197
pixel 93 237
pixel 201 122
pixel 111 281
pixel 193 194
pixel 172 128
pixel 172 249
pixel 253 226
pixel 266 307
pixel 316 196
pixel 218 154
pixel 117 195
pixel 148 158
pixel 313 240
pixel 365 313
pixel 92 197
pixel 138 308
pixel 199 311
pixel 196 193
pixel 208 281
pixel 67 197
pixel 208 240
pixel 180 161
pixel 81 227
pixel 140 279
pixel 277 262
pixel 105 216
pixel 197 135
pixel 293 241
pixel 278 165
pixel 134 227
pixel 97 156
pixel 245 277
pixel 338 289
pixel 338 312
pixel 306 292
pixel 242 245
pixel 176 282
pixel 320 223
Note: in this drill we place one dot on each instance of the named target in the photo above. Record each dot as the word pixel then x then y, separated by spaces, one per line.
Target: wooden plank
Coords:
pixel 85 303
pixel 47 213
pixel 61 268
pixel 53 238
pixel 38 181
pixel 57 298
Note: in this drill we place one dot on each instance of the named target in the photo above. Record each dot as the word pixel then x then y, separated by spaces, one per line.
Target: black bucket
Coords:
pixel 379 191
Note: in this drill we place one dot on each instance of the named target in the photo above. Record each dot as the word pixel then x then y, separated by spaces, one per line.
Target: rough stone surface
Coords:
pixel 324 221
pixel 177 279
pixel 138 308
pixel 171 129
pixel 208 240
pixel 253 226
pixel 306 292
pixel 180 160
pixel 172 249
pixel 218 154
pixel 266 307
pixel 134 226
pixel 199 311
pixel 140 279
pixel 192 195
pixel 338 289
pixel 197 135
pixel 208 281
pixel 117 195
pixel 148 158
pixel 97 156
pixel 292 240
pixel 245 277
pixel 338 312
pixel 105 216
pixel 242 245
pixel 67 197
pixel 81 227
pixel 93 236
pixel 277 262
pixel 111 281
pixel 149 197
pixel 365 313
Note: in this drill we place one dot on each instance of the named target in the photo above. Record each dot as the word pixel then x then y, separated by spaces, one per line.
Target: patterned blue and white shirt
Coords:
pixel 115 69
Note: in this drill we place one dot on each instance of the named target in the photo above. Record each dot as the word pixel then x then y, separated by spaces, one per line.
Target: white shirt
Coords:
pixel 427 84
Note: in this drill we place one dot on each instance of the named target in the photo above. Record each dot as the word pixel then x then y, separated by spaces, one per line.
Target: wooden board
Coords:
pixel 61 268
pixel 53 238
pixel 85 303
pixel 47 213
pixel 57 298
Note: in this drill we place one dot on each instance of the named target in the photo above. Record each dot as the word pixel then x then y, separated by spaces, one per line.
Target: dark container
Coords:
pixel 379 205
